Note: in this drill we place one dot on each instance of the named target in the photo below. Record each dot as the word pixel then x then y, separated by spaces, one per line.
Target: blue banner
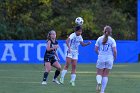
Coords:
pixel 32 51
pixel 138 21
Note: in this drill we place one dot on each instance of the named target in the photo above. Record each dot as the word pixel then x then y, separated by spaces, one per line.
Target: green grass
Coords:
pixel 26 78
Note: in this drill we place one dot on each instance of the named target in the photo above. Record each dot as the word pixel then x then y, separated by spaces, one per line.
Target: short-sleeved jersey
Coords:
pixel 107 48
pixel 75 41
pixel 52 52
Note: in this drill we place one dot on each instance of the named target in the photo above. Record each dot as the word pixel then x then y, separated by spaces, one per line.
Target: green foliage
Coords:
pixel 32 19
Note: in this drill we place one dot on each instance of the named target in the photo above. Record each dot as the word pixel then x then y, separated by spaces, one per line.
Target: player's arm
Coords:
pixel 67 43
pixel 114 52
pixel 96 49
pixel 49 48
pixel 85 44
pixel 114 49
pixel 97 46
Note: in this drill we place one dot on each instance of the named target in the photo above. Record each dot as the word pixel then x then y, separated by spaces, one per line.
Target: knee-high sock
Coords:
pixel 63 73
pixel 45 76
pixel 73 77
pixel 104 84
pixel 99 79
pixel 57 72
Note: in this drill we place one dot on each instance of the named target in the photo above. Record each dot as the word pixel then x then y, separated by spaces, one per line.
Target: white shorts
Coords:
pixel 105 61
pixel 72 55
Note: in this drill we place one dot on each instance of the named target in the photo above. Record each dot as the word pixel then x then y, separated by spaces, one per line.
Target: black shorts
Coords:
pixel 49 59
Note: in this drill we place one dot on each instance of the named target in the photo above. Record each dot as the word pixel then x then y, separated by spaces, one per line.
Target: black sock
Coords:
pixel 57 72
pixel 45 76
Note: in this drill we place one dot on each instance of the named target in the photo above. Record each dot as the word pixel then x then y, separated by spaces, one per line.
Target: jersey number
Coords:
pixel 105 47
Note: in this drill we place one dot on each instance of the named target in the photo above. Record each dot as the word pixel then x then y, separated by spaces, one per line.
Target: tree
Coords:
pixel 32 19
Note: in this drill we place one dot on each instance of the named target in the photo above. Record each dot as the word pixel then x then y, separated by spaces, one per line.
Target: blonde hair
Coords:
pixel 50 32
pixel 107 32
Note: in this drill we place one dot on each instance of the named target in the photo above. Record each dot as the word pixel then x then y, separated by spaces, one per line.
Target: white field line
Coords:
pixel 112 75
pixel 81 72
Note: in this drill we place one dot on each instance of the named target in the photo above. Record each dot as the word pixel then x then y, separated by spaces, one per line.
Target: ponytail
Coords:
pixel 107 32
pixel 105 38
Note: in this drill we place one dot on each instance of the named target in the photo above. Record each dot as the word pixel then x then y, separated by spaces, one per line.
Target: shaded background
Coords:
pixel 32 19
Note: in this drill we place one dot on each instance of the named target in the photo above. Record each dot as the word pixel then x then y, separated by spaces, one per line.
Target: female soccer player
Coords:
pixel 72 42
pixel 105 47
pixel 50 57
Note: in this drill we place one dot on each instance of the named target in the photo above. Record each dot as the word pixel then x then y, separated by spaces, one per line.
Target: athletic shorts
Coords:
pixel 73 55
pixel 50 59
pixel 105 61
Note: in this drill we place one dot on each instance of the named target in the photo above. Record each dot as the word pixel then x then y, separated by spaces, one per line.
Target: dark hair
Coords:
pixel 107 32
pixel 77 28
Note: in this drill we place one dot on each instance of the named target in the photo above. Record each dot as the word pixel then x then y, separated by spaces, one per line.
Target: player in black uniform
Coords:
pixel 50 57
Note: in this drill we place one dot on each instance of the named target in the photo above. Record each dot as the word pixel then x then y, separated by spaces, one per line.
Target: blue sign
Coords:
pixel 32 51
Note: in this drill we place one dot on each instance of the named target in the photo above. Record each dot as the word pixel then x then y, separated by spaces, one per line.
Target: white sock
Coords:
pixel 63 73
pixel 99 79
pixel 104 83
pixel 73 77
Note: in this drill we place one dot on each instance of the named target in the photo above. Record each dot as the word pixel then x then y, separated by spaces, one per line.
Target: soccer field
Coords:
pixel 26 78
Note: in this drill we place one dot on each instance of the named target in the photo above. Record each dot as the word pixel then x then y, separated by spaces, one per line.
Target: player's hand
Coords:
pixel 89 42
pixel 58 59
pixel 55 46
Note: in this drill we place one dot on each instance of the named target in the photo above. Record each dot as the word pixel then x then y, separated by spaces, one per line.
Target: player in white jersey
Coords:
pixel 105 47
pixel 73 42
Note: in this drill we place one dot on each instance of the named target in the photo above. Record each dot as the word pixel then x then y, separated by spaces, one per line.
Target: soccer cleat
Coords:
pixel 72 83
pixel 62 80
pixel 98 88
pixel 44 83
pixel 56 81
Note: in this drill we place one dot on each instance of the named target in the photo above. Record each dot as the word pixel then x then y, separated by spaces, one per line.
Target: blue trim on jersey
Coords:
pixel 71 42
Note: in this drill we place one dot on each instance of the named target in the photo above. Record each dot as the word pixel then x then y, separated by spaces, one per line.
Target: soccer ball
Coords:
pixel 79 21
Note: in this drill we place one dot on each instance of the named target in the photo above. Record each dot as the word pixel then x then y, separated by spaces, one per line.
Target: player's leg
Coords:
pixel 58 69
pixel 99 75
pixel 99 79
pixel 109 65
pixel 57 72
pixel 47 70
pixel 64 71
pixel 74 64
pixel 104 79
pixel 100 65
pixel 73 72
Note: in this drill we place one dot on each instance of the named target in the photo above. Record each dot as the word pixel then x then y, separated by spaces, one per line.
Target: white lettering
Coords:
pixel 8 52
pixel 39 51
pixel 26 46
